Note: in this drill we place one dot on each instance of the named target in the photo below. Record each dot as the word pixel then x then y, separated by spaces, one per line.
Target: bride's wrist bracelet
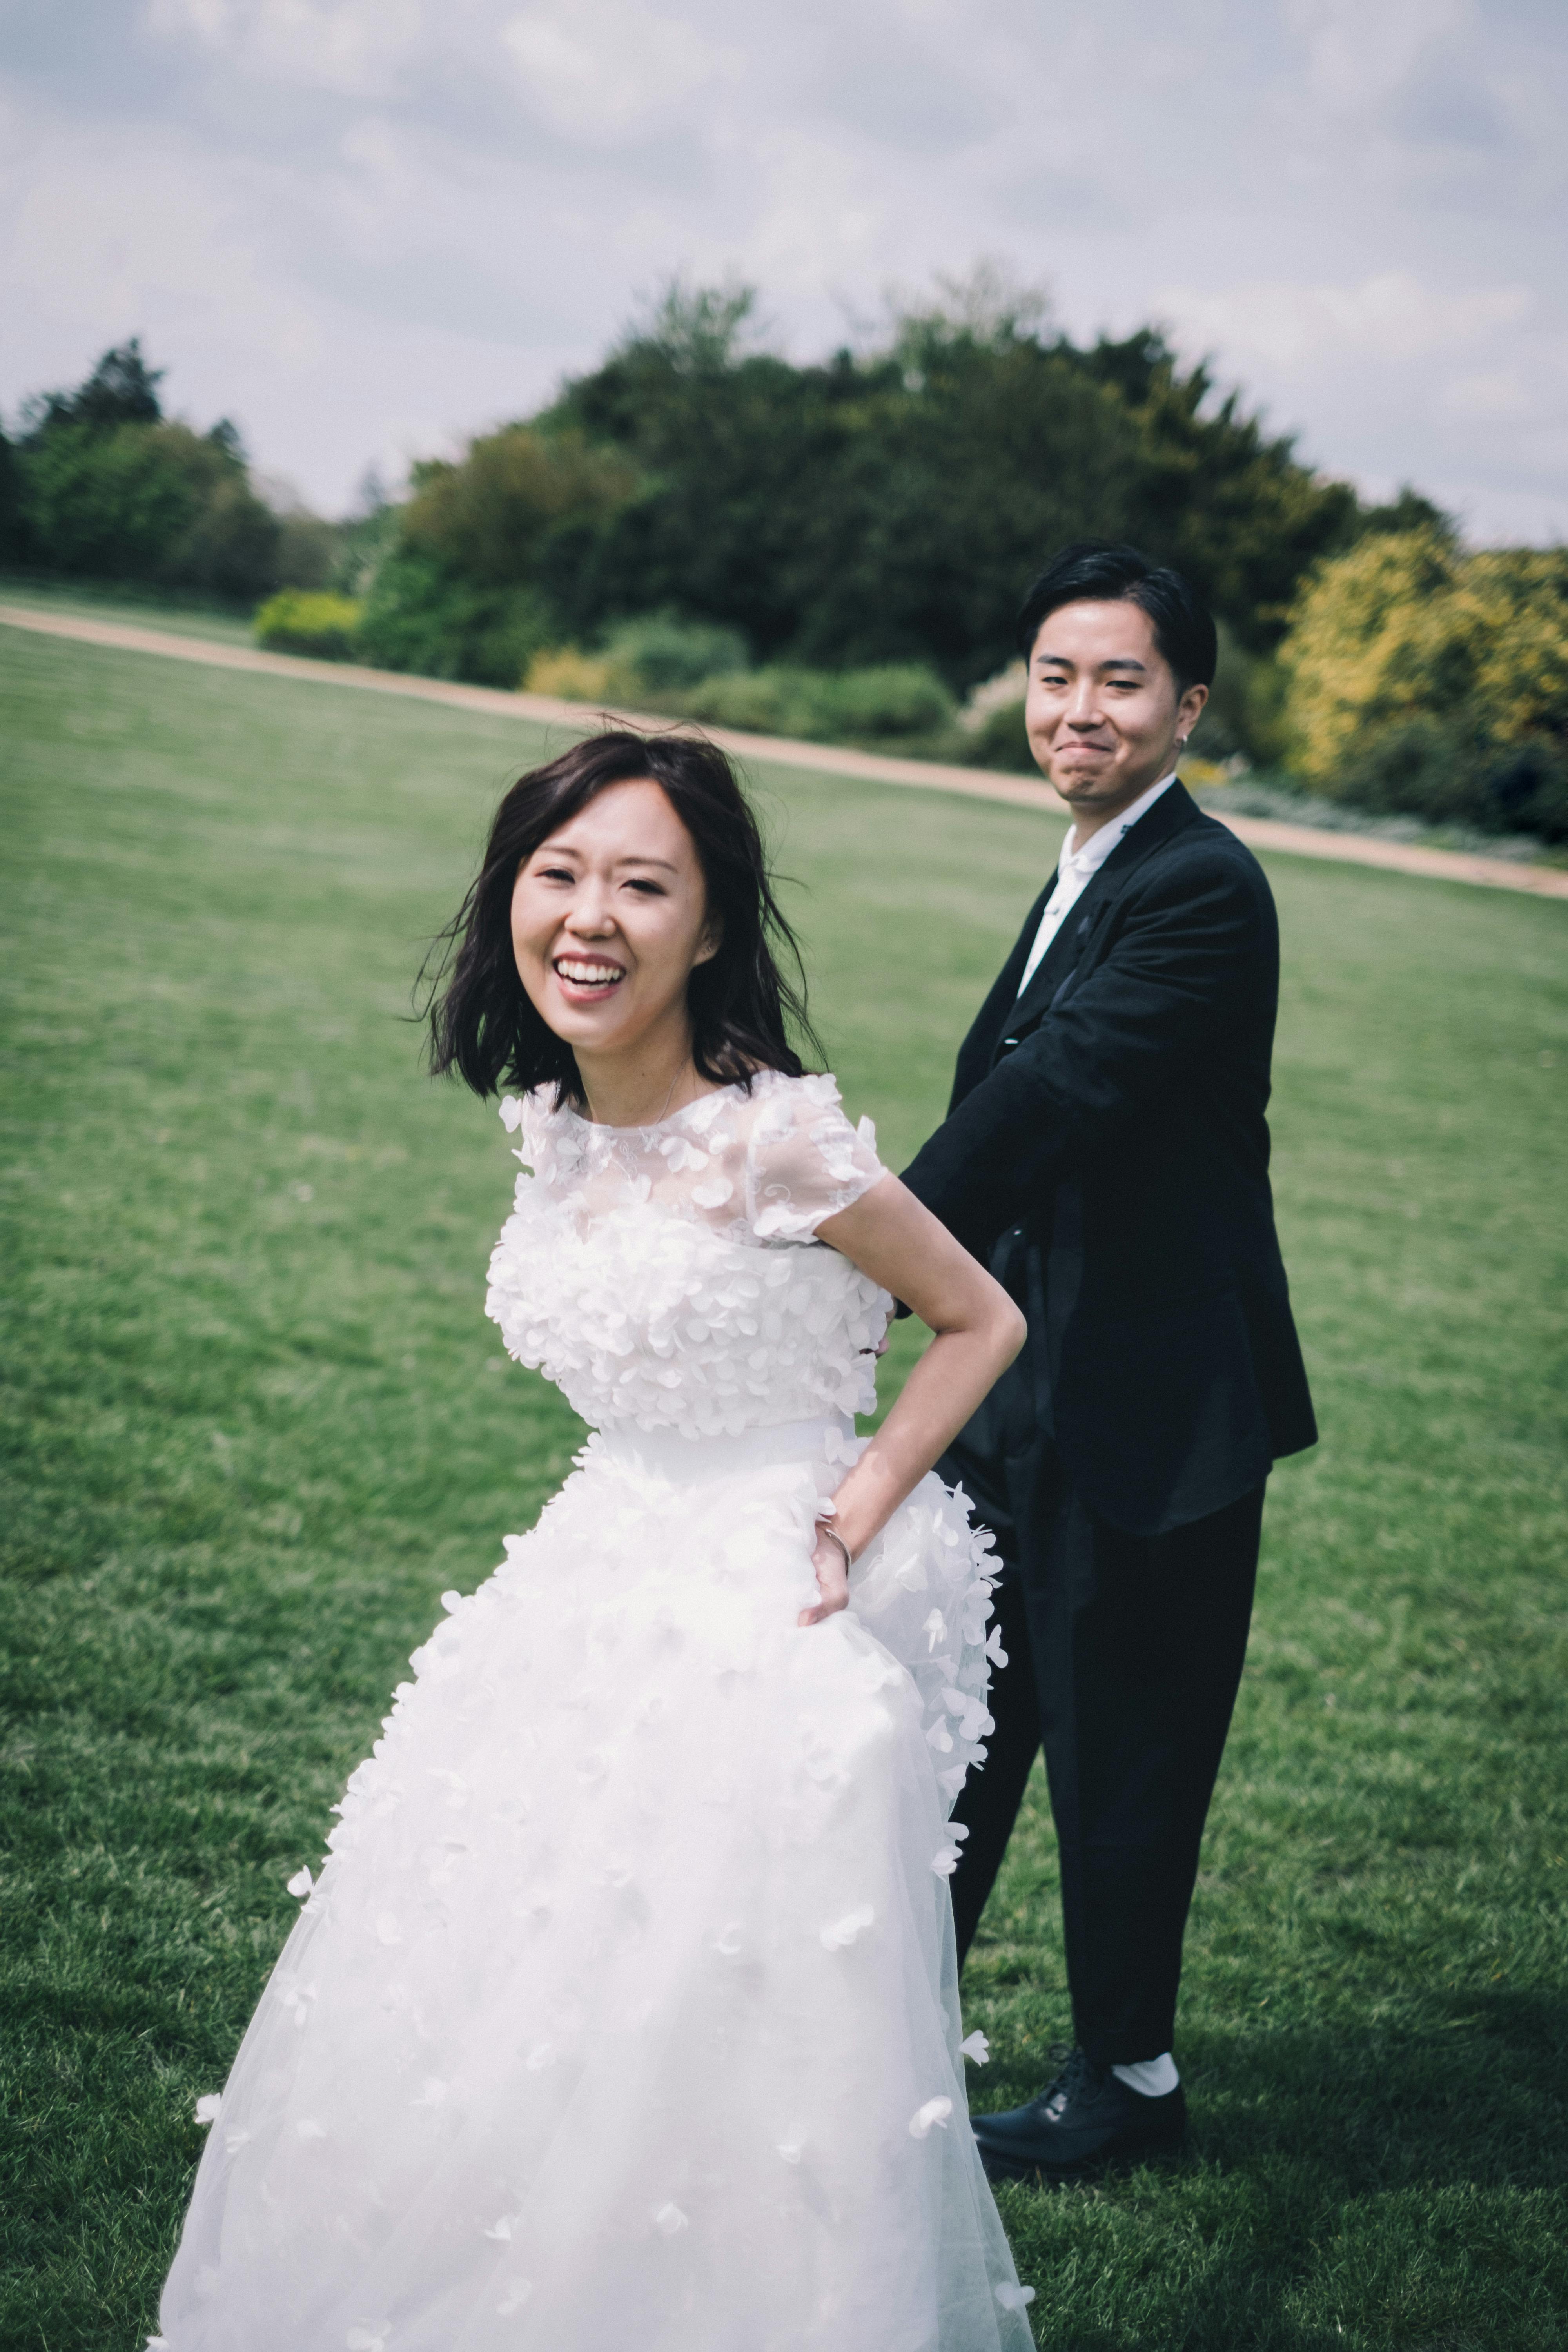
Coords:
pixel 835 1537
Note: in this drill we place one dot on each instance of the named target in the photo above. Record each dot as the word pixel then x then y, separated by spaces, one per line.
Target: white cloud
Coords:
pixel 102 230
pixel 821 213
pixel 1497 395
pixel 1359 55
pixel 1392 317
pixel 356 46
pixel 596 68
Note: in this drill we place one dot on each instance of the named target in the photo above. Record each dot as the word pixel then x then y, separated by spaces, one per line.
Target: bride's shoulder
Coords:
pixel 804 1158
pixel 536 1118
pixel 775 1097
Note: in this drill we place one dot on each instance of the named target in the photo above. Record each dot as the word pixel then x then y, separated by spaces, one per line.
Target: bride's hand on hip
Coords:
pixel 832 1571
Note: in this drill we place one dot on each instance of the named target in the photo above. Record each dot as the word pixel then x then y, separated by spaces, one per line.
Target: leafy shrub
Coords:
pixel 1530 788
pixel 487 520
pixel 662 654
pixel 462 591
pixel 419 616
pixel 1243 717
pixel 892 702
pixel 309 550
pixel 655 663
pixel 570 673
pixel 14 539
pixel 303 621
pixel 1414 766
pixel 1002 740
pixel 153 502
pixel 231 544
pixel 102 485
pixel 1432 682
pixel 772 702
pixel 642 667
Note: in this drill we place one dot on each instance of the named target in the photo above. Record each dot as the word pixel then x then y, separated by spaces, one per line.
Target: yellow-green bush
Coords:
pixel 1424 678
pixel 655 663
pixel 570 675
pixel 308 621
pixel 692 671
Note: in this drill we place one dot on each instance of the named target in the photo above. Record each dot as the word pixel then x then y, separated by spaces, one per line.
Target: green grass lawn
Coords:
pixel 145 608
pixel 256 1422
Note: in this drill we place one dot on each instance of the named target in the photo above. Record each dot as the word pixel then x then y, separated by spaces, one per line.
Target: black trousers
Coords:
pixel 1124 1654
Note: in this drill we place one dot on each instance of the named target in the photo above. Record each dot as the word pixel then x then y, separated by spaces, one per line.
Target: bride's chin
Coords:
pixel 575 1026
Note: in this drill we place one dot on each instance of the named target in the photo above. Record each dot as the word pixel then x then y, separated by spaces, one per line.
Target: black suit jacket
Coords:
pixel 1106 1143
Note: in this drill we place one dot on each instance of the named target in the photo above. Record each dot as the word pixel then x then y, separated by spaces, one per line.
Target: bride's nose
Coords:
pixel 591 916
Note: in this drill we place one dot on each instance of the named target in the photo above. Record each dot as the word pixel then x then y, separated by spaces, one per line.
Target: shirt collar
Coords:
pixel 1099 845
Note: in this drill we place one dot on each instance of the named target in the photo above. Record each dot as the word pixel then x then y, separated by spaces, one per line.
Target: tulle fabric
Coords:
pixel 624 2007
pixel 665 1276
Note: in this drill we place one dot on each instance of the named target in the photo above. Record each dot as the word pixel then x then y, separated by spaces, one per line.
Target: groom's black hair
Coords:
pixel 482 1022
pixel 1098 571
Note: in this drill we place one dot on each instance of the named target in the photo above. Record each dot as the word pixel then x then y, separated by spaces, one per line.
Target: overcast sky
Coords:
pixel 364 229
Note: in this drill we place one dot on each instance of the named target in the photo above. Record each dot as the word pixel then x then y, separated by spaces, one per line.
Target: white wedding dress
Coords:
pixel 623 2016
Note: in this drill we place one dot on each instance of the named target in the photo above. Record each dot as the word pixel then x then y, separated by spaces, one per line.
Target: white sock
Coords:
pixel 1156 2078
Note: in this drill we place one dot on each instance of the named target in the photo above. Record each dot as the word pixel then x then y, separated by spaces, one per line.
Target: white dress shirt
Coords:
pixel 1076 869
pixel 1154 2078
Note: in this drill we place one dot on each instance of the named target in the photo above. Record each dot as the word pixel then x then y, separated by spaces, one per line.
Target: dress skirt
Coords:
pixel 625 2011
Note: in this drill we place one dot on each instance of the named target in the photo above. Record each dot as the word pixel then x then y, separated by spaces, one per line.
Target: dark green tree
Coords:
pixel 14 538
pixel 121 390
pixel 888 505
pixel 107 487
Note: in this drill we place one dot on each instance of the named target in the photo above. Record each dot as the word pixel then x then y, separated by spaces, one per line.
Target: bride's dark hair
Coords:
pixel 482 1021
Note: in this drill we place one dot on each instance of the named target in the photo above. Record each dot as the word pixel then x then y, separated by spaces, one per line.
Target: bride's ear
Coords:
pixel 712 940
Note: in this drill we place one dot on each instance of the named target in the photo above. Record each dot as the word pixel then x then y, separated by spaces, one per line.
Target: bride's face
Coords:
pixel 609 919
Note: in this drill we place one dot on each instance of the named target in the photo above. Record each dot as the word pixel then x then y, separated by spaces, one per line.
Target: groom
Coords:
pixel 1105 1152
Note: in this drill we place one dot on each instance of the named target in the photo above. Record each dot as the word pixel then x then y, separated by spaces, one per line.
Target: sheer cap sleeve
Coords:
pixel 804 1162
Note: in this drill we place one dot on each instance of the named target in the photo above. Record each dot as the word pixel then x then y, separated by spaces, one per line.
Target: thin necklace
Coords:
pixel 642 1124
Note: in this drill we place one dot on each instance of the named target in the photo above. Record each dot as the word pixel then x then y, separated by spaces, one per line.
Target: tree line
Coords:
pixel 882 506
pixel 838 548
pixel 99 484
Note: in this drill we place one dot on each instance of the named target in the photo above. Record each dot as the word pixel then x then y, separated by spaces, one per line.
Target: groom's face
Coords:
pixel 1104 713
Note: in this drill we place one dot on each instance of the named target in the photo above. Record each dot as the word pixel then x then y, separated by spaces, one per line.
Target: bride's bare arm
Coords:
pixel 890 1236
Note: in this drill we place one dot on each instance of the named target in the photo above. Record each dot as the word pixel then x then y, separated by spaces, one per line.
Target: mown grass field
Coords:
pixel 187 616
pixel 255 1423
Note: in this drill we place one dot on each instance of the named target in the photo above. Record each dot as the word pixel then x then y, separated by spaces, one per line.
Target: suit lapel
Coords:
pixel 974 1055
pixel 1171 811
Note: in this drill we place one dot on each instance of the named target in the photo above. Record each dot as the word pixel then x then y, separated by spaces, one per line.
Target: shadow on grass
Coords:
pixel 1479 2100
pixel 1370 2186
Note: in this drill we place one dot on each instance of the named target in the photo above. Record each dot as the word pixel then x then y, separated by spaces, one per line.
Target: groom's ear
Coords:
pixel 1190 708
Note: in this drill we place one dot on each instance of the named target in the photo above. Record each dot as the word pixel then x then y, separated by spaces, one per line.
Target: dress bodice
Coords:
pixel 670 1277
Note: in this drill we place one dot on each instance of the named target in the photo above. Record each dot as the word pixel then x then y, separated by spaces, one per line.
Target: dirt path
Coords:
pixel 823 758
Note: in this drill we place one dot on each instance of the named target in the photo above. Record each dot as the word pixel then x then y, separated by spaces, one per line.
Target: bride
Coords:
pixel 623 2011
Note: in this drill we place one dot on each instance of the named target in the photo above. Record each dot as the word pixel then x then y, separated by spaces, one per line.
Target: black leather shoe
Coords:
pixel 1088 2120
